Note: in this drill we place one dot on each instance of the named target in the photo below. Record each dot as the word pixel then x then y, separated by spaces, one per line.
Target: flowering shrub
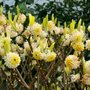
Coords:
pixel 43 56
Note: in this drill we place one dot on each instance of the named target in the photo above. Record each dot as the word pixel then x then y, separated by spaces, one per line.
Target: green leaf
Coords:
pixel 52 86
pixel 79 24
pixel 58 88
pixel 31 20
pixel 42 88
pixel 18 10
pixel 0 62
pixel 45 22
pixel 67 70
pixel 53 17
pixel 10 16
pixel 1 10
pixel 61 38
pixel 55 21
pixel 58 24
pixel 72 26
pixel 65 25
pixel 83 26
pixel 52 46
pixel 6 42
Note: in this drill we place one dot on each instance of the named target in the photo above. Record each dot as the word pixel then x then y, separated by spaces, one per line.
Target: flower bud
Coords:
pixel 22 18
pixel 2 20
pixel 19 27
pixel 88 44
pixel 89 28
pixel 19 40
pixel 75 77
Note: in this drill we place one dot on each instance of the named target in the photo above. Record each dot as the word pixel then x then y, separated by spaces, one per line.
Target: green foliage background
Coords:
pixel 64 10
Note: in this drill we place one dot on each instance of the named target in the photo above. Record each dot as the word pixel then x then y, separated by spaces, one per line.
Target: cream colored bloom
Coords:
pixel 21 18
pixel 50 56
pixel 13 34
pixel 12 60
pixel 66 40
pixel 19 40
pixel 37 54
pixel 2 20
pixel 87 67
pixel 36 29
pixel 26 33
pixel 88 44
pixel 75 77
pixel 57 30
pixel 27 46
pixel 51 25
pixel 72 62
pixel 19 27
pixel 77 36
pixel 66 30
pixel 78 46
pixel 86 79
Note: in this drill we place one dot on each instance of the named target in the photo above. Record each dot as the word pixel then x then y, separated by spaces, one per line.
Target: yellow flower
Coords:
pixel 12 60
pixel 86 79
pixel 77 36
pixel 37 29
pixel 88 44
pixel 72 62
pixel 78 46
pixel 50 56
pixel 51 25
pixel 37 54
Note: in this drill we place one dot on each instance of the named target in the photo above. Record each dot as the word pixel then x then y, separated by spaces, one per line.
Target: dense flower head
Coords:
pixel 72 62
pixel 51 25
pixel 77 36
pixel 12 60
pixel 50 56
pixel 36 29
pixel 78 46
pixel 37 54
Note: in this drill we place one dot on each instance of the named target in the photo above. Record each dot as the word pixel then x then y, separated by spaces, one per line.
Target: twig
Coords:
pixel 49 70
pixel 21 78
